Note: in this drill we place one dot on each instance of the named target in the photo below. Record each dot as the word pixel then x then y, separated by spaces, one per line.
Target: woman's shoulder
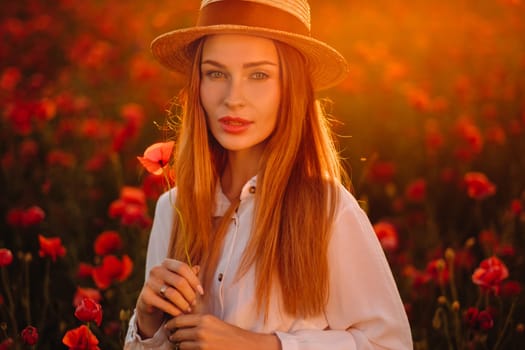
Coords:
pixel 345 198
pixel 167 198
pixel 349 213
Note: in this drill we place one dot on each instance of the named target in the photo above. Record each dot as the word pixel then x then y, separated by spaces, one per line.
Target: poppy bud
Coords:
pixel 6 257
pixel 30 335
pixel 89 310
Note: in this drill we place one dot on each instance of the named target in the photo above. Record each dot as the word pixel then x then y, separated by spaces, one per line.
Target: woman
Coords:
pixel 260 246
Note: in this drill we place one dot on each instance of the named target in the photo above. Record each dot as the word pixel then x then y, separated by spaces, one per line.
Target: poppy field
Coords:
pixel 430 124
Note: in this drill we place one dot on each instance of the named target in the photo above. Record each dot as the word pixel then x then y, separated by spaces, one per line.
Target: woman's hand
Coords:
pixel 207 332
pixel 171 288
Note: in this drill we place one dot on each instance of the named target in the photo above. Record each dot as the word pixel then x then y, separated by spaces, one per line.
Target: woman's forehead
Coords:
pixel 238 48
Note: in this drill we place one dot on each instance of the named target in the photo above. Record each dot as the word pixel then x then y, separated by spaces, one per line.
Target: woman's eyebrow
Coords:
pixel 245 65
pixel 259 63
pixel 213 63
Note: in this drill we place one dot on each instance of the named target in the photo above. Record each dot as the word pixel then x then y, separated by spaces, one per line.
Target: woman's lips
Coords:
pixel 234 125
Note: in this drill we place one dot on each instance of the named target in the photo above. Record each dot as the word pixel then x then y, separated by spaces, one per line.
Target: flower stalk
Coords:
pixel 10 300
pixel 45 291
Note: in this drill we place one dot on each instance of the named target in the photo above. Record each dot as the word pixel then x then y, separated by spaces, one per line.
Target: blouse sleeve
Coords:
pixel 364 309
pixel 157 251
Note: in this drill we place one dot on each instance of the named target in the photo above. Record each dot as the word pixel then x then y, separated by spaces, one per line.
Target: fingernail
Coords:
pixel 189 309
pixel 200 290
pixel 194 302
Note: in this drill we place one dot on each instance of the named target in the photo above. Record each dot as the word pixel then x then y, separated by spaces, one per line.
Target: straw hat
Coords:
pixel 287 21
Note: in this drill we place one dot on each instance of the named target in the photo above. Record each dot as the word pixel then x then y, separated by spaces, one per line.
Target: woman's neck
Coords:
pixel 240 168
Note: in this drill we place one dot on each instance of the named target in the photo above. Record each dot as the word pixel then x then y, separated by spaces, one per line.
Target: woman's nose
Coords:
pixel 234 95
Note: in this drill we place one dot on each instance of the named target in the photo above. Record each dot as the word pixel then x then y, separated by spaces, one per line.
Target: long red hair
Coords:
pixel 296 196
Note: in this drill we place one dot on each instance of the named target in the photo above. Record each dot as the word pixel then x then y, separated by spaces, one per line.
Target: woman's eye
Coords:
pixel 259 76
pixel 215 74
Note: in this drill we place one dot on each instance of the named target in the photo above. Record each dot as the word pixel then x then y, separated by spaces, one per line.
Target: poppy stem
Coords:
pixel 26 299
pixel 186 251
pixel 45 291
pixel 11 308
pixel 507 322
pixel 183 231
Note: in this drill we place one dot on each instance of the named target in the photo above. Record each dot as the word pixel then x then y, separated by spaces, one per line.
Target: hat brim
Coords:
pixel 327 66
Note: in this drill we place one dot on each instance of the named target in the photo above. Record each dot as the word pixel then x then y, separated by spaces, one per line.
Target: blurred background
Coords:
pixel 430 123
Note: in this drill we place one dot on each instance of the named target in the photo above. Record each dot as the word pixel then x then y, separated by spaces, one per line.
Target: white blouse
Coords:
pixel 364 309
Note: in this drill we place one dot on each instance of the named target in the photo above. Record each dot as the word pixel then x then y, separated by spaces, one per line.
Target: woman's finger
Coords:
pixel 153 299
pixel 184 270
pixel 174 296
pixel 184 321
pixel 175 282
pixel 183 328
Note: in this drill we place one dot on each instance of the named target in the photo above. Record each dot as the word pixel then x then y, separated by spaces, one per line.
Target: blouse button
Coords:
pixel 252 189
pixel 220 277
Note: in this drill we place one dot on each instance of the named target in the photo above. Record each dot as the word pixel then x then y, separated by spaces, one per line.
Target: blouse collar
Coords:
pixel 223 203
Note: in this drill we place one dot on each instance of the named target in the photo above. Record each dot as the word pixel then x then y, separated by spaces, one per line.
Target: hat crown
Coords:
pixel 297 8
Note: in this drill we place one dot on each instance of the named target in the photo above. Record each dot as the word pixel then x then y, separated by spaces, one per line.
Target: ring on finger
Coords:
pixel 162 290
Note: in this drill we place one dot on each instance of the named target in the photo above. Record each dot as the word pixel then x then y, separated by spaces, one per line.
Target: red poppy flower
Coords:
pixel 478 185
pixel 30 335
pixel 108 242
pixel 418 278
pixel 471 316
pixel 89 311
pixel 132 195
pixel 382 172
pixel 84 270
pixel 154 185
pixel 416 191
pixel 131 207
pixel 434 139
pixel 496 135
pixel 510 289
pixel 419 99
pixel 485 321
pixel 61 158
pixel 51 247
pixel 464 259
pixel 7 344
pixel 82 293
pixel 157 156
pixel 96 162
pixel 10 78
pixel 6 257
pixel 470 138
pixel 142 69
pixel 19 115
pixel 80 338
pixel 112 269
pixel 438 270
pixel 28 150
pixel 113 328
pixel 387 235
pixel 516 207
pixel 33 216
pixel 133 115
pixel 506 250
pixel 25 218
pixel 488 240
pixel 490 273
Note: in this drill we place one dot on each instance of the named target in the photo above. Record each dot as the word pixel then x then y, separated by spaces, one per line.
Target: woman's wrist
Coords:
pixel 148 323
pixel 262 341
pixel 268 342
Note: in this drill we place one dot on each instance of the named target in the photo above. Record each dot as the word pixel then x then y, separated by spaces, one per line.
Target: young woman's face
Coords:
pixel 240 90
